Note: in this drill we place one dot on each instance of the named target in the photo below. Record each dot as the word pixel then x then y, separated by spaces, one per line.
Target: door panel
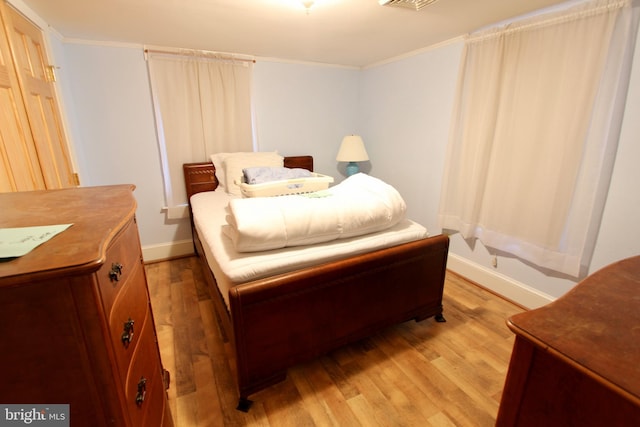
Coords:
pixel 19 165
pixel 38 94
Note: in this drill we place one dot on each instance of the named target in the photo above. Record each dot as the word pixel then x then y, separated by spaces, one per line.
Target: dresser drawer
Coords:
pixel 122 256
pixel 144 390
pixel 130 319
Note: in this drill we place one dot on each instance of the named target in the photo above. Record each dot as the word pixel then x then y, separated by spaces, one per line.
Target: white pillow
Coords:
pixel 218 162
pixel 234 163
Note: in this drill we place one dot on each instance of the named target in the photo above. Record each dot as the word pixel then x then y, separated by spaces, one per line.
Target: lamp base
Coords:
pixel 352 168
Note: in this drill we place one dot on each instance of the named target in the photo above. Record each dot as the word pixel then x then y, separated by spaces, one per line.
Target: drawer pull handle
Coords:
pixel 127 334
pixel 116 272
pixel 142 391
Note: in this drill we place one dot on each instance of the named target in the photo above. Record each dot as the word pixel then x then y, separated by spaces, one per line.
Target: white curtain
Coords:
pixel 535 131
pixel 202 105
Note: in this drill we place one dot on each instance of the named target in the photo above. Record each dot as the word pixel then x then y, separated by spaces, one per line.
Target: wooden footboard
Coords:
pixel 277 322
pixel 286 319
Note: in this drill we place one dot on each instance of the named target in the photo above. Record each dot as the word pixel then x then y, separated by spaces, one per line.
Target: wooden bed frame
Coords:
pixel 277 322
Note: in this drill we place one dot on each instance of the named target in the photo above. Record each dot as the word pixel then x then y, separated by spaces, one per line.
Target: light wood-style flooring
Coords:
pixel 414 374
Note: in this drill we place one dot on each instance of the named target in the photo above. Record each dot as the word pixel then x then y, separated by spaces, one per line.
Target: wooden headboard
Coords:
pixel 199 177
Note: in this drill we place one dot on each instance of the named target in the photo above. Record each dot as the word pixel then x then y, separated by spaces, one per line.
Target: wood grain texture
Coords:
pixel 414 374
pixel 575 361
pixel 67 308
pixel 97 213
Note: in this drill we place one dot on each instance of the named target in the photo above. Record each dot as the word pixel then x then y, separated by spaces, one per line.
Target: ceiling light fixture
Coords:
pixel 410 4
pixel 307 4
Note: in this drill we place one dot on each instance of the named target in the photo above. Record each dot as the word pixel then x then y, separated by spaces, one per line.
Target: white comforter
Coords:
pixel 359 205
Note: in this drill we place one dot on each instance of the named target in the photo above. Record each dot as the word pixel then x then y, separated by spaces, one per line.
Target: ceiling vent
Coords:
pixel 409 4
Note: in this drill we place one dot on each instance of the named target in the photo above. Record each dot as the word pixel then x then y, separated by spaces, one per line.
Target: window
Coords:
pixel 202 104
pixel 535 130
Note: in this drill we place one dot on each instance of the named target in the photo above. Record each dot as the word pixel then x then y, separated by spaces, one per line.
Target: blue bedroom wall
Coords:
pixel 305 109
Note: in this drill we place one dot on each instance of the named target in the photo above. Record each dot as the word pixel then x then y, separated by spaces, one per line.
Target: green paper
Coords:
pixel 16 242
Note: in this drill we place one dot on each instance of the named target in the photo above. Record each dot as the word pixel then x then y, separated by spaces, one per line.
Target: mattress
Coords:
pixel 231 268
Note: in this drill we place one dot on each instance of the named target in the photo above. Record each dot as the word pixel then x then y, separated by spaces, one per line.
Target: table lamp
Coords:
pixel 352 150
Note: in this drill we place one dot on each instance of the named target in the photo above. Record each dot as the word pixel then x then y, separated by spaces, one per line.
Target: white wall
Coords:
pixel 404 110
pixel 305 109
pixel 401 108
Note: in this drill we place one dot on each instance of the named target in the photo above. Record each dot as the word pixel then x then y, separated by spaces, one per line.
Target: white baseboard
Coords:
pixel 508 288
pixel 167 250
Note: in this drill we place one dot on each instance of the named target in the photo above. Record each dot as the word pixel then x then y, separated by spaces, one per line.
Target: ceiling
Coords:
pixel 343 32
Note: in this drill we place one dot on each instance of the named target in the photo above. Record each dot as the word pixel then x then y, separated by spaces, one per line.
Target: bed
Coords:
pixel 280 320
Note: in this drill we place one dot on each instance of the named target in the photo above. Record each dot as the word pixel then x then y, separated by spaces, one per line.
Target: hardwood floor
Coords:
pixel 414 374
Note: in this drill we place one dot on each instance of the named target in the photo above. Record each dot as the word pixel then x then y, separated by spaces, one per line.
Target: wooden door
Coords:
pixel 19 166
pixel 35 80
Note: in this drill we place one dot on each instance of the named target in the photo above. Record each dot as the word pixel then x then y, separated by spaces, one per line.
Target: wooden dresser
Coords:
pixel 76 325
pixel 576 361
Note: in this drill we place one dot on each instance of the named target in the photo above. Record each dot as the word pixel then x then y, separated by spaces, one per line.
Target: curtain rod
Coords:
pixel 201 53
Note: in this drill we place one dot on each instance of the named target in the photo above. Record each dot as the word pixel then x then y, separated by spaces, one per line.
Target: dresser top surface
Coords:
pixel 97 214
pixel 595 326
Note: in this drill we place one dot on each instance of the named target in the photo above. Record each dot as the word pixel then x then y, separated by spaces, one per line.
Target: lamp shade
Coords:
pixel 352 150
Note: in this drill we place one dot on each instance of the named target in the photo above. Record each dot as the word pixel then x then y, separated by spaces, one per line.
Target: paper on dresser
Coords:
pixel 16 242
